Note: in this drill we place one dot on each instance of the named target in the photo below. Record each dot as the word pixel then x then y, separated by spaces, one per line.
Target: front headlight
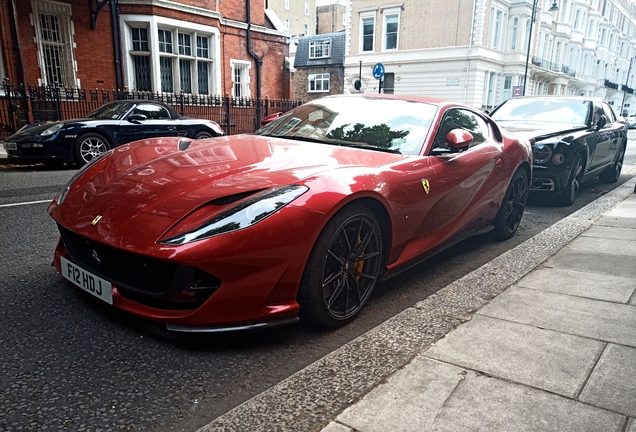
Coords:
pixel 62 195
pixel 249 212
pixel 52 130
pixel 541 154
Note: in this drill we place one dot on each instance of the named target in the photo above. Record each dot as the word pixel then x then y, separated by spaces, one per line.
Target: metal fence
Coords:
pixel 20 105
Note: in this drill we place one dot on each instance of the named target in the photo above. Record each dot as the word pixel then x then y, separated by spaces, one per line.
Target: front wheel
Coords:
pixel 342 268
pixel 202 135
pixel 613 173
pixel 89 146
pixel 571 191
pixel 511 211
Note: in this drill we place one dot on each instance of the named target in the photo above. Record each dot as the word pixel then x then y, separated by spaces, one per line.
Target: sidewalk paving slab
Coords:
pixel 540 358
pixel 476 403
pixel 613 384
pixel 594 319
pixel 610 232
pixel 613 265
pixel 590 285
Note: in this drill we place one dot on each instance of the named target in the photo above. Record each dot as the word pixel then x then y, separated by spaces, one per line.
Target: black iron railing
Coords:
pixel 20 105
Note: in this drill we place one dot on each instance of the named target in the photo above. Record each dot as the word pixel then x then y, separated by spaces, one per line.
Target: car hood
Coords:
pixel 154 176
pixel 532 129
pixel 36 129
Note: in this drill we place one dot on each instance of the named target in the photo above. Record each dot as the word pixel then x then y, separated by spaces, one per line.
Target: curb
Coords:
pixel 317 394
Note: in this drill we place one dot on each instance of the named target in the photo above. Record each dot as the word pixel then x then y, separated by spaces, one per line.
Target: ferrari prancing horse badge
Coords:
pixel 426 185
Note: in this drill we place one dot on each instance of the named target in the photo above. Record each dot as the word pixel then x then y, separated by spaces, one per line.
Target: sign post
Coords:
pixel 378 73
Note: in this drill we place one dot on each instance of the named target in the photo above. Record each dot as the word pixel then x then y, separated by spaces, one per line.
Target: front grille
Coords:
pixel 148 281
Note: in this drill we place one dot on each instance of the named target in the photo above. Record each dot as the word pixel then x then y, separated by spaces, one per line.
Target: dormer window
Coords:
pixel 319 49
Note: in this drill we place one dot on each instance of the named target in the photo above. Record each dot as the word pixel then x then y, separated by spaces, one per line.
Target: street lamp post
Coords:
pixel 629 70
pixel 553 8
pixel 358 83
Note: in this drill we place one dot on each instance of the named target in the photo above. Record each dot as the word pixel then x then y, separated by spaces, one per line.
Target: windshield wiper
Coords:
pixel 303 138
pixel 369 147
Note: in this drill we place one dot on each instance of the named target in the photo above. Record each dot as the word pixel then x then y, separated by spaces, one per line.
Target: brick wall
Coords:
pixel 94 51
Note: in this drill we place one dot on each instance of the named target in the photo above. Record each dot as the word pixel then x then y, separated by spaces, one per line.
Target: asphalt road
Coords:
pixel 68 362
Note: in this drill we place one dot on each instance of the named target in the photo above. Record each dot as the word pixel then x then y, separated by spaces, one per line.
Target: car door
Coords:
pixel 617 133
pixel 157 123
pixel 467 185
pixel 600 141
pixel 443 195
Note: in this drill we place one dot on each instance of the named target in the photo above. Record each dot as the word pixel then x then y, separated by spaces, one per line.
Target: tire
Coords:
pixel 613 173
pixel 571 191
pixel 342 269
pixel 511 211
pixel 202 135
pixel 89 146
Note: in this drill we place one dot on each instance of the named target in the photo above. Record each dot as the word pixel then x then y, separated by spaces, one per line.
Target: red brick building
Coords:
pixel 194 46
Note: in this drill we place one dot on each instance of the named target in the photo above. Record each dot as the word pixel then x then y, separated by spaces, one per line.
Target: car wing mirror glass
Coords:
pixel 459 139
pixel 602 121
pixel 136 118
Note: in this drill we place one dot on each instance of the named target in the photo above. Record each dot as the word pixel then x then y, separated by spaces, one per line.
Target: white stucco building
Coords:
pixel 475 51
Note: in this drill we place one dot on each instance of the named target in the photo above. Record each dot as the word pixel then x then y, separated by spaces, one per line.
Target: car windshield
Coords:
pixel 113 111
pixel 570 111
pixel 390 125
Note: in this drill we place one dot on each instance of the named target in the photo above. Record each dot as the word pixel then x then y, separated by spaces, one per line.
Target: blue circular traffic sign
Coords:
pixel 378 71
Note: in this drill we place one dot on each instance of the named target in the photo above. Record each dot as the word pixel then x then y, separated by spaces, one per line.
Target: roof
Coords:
pixel 337 51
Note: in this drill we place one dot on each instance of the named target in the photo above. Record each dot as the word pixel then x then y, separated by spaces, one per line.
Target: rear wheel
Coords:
pixel 89 146
pixel 509 216
pixel 571 191
pixel 342 269
pixel 613 173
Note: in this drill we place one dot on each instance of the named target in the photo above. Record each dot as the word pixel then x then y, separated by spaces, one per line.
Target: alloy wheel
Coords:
pixel 351 266
pixel 516 203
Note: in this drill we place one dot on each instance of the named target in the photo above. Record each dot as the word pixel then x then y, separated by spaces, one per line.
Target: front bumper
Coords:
pixel 549 179
pixel 48 150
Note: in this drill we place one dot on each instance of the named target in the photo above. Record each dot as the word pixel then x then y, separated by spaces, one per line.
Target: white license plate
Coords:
pixel 87 281
pixel 10 146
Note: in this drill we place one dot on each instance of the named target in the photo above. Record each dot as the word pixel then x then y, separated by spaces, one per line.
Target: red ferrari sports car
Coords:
pixel 300 219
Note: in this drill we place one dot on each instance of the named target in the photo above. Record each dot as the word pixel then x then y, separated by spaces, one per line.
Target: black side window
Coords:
pixel 462 119
pixel 154 112
pixel 598 112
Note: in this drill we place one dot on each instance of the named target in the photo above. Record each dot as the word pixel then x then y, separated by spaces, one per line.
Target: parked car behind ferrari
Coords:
pixel 301 218
pixel 576 139
pixel 111 125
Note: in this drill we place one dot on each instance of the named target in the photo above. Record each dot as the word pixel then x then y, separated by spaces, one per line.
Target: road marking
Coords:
pixel 631 170
pixel 25 203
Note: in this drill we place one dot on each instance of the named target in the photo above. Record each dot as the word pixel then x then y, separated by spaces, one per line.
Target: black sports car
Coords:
pixel 576 139
pixel 111 125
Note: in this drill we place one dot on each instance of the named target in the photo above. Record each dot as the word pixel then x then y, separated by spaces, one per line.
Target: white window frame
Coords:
pixel 152 25
pixel 386 14
pixel 306 29
pixel 365 16
pixel 286 4
pixel 321 78
pixel 245 67
pixel 65 45
pixel 307 8
pixel 286 24
pixel 324 45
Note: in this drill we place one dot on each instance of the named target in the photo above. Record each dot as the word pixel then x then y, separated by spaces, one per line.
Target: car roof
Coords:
pixel 411 98
pixel 548 97
pixel 170 109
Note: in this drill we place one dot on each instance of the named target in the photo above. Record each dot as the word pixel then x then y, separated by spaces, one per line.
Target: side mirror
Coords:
pixel 136 118
pixel 600 124
pixel 459 139
pixel 270 118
